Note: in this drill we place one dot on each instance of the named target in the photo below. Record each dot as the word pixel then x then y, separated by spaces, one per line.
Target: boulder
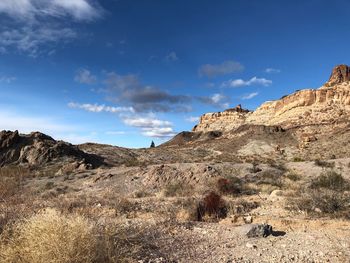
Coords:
pixel 259 230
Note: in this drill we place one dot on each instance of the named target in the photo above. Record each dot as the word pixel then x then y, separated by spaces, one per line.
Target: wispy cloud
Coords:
pixel 7 79
pixel 35 9
pixel 213 70
pixel 100 108
pixel 192 119
pixel 217 100
pixel 272 70
pixel 33 24
pixel 115 132
pixel 171 56
pixel 250 96
pixel 30 39
pixel 84 76
pixel 251 82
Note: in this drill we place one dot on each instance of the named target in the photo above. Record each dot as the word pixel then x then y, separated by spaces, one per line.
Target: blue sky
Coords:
pixel 125 72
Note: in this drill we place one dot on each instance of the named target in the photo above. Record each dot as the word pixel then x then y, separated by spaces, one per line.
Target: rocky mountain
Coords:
pixel 38 149
pixel 329 105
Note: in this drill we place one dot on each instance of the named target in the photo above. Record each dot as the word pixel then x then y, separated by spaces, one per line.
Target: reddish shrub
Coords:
pixel 231 185
pixel 212 205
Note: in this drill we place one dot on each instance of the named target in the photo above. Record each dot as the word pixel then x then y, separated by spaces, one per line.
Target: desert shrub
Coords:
pixel 270 177
pixel 123 205
pixel 142 193
pixel 293 176
pixel 211 207
pixel 321 202
pixel 231 185
pixel 241 206
pixel 324 164
pixel 50 237
pixel 298 159
pixel 279 166
pixel 177 189
pixel 330 180
pixel 255 168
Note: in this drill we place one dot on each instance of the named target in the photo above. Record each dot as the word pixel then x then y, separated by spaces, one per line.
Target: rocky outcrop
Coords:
pixel 37 149
pixel 326 105
pixel 339 75
pixel 226 120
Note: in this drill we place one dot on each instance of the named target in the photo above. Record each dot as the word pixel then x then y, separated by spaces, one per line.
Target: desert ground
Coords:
pixel 173 210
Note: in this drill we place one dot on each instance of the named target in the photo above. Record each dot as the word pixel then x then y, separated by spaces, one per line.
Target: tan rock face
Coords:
pixel 340 74
pixel 326 105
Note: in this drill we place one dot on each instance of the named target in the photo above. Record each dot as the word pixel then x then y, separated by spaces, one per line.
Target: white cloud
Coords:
pixel 250 96
pixel 35 9
pixel 146 122
pixel 272 70
pixel 31 39
pixel 158 132
pixel 100 108
pixel 227 67
pixel 33 24
pixel 241 83
pixel 192 119
pixel 7 79
pixel 115 132
pixel 171 57
pixel 151 126
pixel 84 76
pixel 217 100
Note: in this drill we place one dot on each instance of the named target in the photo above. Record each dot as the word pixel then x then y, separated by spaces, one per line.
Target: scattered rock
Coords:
pixel 250 245
pixel 260 230
pixel 248 219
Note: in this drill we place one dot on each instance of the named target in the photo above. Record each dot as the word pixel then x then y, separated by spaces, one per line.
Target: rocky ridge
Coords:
pixel 327 105
pixel 38 149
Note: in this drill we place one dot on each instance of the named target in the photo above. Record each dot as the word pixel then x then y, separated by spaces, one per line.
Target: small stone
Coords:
pixel 317 210
pixel 248 219
pixel 250 245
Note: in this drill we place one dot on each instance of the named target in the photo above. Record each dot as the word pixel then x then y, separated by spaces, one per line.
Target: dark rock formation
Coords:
pixel 261 230
pixel 37 149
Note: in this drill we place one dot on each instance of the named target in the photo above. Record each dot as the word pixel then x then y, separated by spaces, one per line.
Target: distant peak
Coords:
pixel 340 74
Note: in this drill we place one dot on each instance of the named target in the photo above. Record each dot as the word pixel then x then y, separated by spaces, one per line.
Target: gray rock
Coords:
pixel 260 230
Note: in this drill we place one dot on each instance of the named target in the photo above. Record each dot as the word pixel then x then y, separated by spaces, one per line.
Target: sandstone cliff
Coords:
pixel 327 105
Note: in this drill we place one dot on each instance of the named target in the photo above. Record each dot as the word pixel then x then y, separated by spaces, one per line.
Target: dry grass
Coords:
pixel 11 179
pixel 50 237
pixel 177 189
